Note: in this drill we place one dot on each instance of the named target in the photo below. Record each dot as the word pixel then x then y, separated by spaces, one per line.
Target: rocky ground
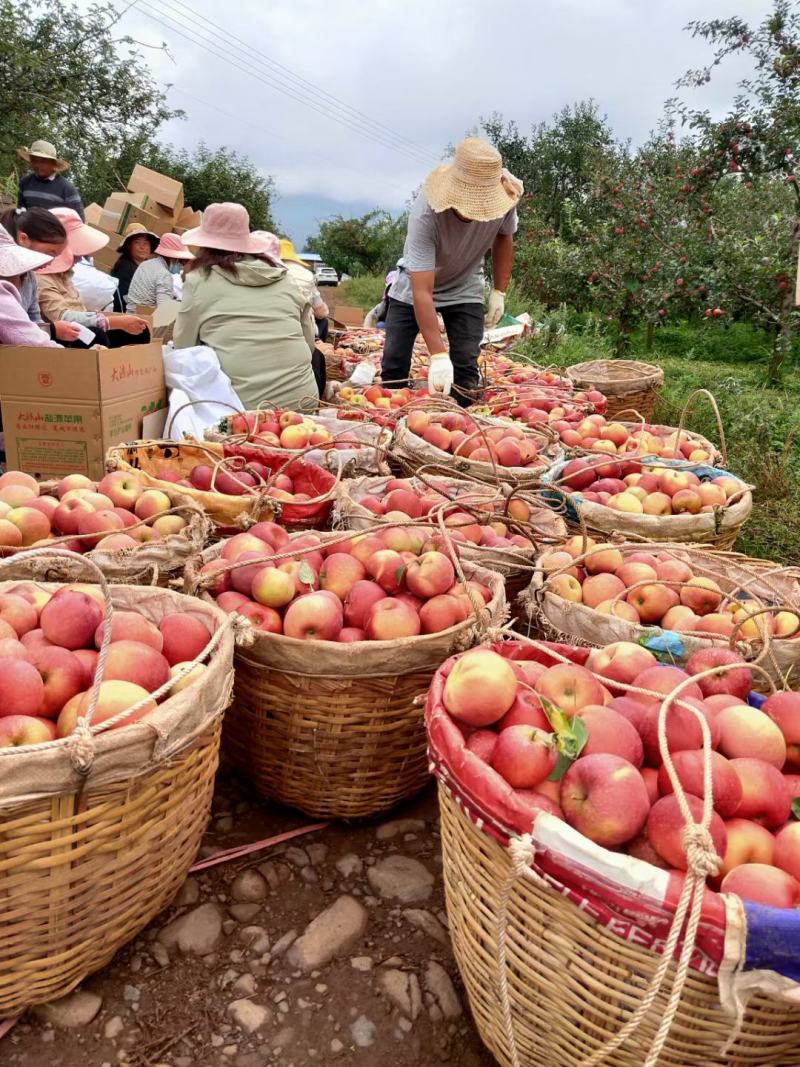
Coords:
pixel 329 949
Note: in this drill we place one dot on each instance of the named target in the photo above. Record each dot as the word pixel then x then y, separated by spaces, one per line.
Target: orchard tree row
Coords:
pixel 701 221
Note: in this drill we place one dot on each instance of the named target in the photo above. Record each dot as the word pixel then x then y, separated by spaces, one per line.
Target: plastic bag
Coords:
pixel 193 375
pixel 96 288
pixel 364 374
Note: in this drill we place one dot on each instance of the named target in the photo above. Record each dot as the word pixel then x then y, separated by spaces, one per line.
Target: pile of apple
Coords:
pixel 533 405
pixel 280 429
pixel 499 367
pixel 617 792
pixel 400 499
pixel 597 434
pixel 460 435
pixel 657 588
pixel 377 586
pixel 377 397
pixel 117 513
pixel 48 656
pixel 622 485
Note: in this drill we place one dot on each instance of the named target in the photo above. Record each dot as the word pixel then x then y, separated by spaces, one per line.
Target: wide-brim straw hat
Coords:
pixel 173 247
pixel 16 260
pixel 474 183
pixel 138 229
pixel 43 150
pixel 226 228
pixel 82 240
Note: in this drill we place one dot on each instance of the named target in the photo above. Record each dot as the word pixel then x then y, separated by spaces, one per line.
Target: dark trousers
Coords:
pixel 319 369
pixel 323 325
pixel 463 325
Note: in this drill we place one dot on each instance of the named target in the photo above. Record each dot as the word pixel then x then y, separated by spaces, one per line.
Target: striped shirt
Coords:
pixel 57 191
pixel 150 286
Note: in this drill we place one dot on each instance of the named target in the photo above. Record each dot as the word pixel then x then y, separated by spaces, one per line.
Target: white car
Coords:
pixel 326 275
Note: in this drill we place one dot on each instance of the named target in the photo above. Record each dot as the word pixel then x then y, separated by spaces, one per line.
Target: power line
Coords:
pixel 235 61
pixel 271 133
pixel 303 83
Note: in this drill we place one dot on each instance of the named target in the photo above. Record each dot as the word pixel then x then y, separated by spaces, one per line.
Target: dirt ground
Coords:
pixel 241 982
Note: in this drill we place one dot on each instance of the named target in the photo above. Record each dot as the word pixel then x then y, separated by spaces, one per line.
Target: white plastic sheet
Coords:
pixel 193 375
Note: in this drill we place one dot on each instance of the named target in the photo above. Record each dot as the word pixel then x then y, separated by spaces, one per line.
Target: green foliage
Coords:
pixel 367 245
pixel 364 292
pixel 66 77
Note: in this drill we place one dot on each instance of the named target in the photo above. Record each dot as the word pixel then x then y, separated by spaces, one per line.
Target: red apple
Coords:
pixel 605 798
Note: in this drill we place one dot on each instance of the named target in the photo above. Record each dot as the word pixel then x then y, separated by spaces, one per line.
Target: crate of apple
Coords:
pixel 484 448
pixel 575 733
pixel 596 433
pixel 646 499
pixel 118 521
pixel 599 592
pixel 383 585
pixel 50 637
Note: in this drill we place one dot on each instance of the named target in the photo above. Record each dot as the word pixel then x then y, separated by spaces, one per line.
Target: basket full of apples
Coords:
pixel 111 701
pixel 598 435
pixel 592 802
pixel 495 526
pixel 652 499
pixel 348 632
pixel 233 490
pixel 678 598
pixel 357 445
pixel 488 449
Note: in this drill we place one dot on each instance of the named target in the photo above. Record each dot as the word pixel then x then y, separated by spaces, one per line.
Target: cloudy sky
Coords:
pixel 349 104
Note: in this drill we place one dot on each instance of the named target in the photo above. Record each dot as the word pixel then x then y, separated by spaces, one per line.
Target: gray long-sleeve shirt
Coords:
pixel 57 191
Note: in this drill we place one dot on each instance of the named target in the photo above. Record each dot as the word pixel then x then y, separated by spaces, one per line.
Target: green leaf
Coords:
pixel 398 574
pixel 571 736
pixel 306 574
pixel 796 807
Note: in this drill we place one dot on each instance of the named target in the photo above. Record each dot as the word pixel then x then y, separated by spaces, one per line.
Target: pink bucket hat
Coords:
pixel 14 259
pixel 226 228
pixel 172 247
pixel 273 249
pixel 82 240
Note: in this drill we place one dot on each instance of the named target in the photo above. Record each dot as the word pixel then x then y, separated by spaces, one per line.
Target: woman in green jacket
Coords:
pixel 239 300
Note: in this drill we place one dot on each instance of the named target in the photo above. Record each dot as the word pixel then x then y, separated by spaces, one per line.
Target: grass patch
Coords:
pixel 362 292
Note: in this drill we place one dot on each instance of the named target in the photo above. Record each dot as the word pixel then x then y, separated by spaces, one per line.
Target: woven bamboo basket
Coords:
pixel 335 730
pixel 97 833
pixel 544 527
pixel 718 528
pixel 759 585
pixel 152 460
pixel 413 452
pixel 558 941
pixel 627 383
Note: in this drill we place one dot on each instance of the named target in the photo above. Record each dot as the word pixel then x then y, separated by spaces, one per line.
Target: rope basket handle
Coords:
pixel 723 448
pixel 196 403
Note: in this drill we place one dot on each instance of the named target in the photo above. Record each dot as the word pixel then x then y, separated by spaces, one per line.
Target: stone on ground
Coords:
pixel 401 878
pixel 198 931
pixel 331 933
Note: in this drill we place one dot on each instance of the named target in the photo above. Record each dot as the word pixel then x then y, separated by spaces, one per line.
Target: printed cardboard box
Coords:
pixel 165 191
pixel 64 408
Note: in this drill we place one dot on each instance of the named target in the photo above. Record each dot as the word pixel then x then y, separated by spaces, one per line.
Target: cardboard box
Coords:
pixel 120 203
pixel 93 214
pixel 165 191
pixel 188 220
pixel 161 319
pixel 63 408
pixel 107 257
pixel 343 315
pixel 118 215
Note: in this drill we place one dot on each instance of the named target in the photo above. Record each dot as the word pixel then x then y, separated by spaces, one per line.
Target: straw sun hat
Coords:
pixel 138 229
pixel 43 150
pixel 474 184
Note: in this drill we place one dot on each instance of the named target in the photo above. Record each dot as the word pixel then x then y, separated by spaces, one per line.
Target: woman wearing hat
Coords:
pixel 138 245
pixel 466 208
pixel 45 185
pixel 151 285
pixel 16 327
pixel 239 300
pixel 41 231
pixel 60 300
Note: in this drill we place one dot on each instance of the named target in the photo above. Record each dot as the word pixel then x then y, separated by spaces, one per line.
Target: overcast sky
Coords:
pixel 423 71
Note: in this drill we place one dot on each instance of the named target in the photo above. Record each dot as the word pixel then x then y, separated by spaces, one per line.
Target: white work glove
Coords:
pixel 497 305
pixel 364 374
pixel 440 374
